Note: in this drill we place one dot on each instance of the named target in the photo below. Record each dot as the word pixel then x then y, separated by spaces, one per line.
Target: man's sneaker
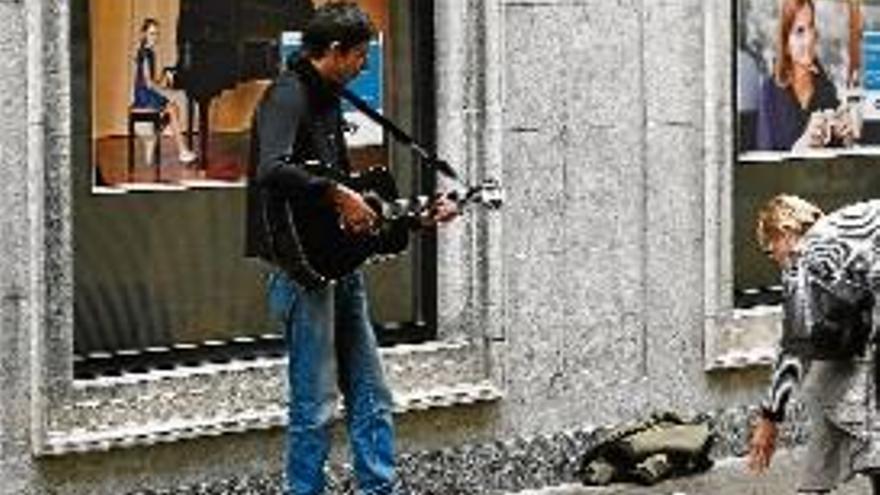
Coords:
pixel 187 156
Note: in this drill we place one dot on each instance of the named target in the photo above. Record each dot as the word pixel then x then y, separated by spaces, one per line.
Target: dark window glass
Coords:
pixel 160 278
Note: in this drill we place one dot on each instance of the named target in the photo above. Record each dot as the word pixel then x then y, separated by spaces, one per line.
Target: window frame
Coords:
pixel 163 406
pixel 733 338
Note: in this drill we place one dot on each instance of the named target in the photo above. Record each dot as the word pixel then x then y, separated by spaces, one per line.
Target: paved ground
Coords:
pixel 728 477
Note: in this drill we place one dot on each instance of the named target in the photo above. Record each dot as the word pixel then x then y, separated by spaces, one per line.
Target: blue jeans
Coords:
pixel 331 342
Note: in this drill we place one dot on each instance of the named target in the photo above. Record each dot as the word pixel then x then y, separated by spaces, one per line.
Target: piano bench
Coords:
pixel 150 115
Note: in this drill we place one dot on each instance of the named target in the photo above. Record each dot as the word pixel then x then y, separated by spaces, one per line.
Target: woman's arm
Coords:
pixel 147 68
pixel 788 372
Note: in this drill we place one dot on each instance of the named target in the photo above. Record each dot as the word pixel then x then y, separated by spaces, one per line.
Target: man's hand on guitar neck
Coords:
pixel 442 210
pixel 355 214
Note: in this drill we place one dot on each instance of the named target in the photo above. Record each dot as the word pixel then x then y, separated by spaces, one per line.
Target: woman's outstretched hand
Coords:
pixel 762 444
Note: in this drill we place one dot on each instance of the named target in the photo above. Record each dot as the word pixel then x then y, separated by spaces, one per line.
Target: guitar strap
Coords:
pixel 431 159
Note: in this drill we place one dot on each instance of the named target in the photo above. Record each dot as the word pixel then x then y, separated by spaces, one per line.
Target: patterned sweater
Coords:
pixel 828 302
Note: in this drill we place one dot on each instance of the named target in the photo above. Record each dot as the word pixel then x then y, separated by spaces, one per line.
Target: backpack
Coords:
pixel 649 452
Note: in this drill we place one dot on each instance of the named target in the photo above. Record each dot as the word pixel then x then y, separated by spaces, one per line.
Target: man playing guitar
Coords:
pixel 327 327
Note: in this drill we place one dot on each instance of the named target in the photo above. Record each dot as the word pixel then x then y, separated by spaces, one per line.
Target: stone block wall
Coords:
pixel 586 298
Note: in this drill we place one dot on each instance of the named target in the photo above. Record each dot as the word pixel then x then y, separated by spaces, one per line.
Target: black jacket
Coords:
pixel 299 119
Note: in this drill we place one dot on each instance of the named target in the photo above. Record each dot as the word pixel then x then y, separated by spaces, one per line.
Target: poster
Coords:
pixel 808 74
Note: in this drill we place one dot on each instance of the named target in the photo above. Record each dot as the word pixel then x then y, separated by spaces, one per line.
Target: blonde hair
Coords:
pixel 785 213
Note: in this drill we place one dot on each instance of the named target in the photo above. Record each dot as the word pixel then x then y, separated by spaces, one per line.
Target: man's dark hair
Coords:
pixel 343 22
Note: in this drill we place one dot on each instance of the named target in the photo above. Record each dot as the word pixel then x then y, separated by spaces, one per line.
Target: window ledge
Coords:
pixel 175 186
pixel 746 339
pixel 168 406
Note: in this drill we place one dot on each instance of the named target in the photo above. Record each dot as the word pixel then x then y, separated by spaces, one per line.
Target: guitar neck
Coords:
pixel 377 186
pixel 415 206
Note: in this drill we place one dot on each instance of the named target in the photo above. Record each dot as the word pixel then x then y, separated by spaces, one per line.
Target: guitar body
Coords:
pixel 312 247
pixel 331 251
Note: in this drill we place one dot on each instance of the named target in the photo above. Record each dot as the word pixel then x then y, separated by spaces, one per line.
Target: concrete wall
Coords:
pixel 607 109
pixel 585 300
pixel 15 375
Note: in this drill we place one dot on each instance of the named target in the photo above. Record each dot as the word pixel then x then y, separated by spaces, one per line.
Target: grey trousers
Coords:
pixel 830 450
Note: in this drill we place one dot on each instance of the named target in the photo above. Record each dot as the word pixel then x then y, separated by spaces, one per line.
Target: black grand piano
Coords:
pixel 221 43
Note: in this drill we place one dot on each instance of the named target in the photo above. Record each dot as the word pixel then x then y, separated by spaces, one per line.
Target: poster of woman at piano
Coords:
pixel 174 84
pixel 138 118
pixel 149 100
pixel 804 74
